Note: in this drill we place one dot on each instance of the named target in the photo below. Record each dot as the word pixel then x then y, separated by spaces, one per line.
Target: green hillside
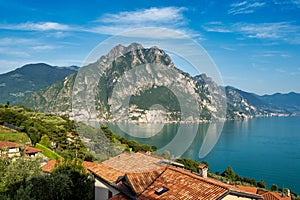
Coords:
pixel 35 125
pixel 11 135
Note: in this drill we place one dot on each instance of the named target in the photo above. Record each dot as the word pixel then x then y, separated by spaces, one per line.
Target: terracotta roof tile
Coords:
pixel 29 150
pixel 140 181
pixel 247 188
pixel 107 173
pixel 183 185
pixel 6 144
pixel 273 196
pixel 134 162
pixel 50 165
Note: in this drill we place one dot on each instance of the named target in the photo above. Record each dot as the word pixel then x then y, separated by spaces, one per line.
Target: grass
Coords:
pixel 11 135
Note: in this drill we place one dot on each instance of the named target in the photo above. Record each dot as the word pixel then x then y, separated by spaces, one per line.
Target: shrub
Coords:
pixel 48 152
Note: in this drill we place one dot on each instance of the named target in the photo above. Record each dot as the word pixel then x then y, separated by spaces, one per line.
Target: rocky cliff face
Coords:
pixel 143 85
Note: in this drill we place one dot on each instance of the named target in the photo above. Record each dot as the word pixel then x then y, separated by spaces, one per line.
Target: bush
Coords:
pixel 48 152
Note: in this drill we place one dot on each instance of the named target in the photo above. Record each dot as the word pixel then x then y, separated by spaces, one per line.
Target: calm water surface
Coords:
pixel 260 148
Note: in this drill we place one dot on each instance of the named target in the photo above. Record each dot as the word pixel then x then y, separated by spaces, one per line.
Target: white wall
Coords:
pixel 101 190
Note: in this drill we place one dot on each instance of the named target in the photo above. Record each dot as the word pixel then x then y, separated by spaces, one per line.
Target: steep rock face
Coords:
pixel 53 99
pixel 143 85
pixel 23 81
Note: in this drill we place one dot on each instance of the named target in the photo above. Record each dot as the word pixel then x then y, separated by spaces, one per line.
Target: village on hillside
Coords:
pixel 142 175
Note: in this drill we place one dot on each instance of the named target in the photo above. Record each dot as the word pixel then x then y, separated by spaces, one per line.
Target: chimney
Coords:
pixel 203 169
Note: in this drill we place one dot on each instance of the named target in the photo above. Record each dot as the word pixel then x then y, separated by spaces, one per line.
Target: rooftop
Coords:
pixel 134 162
pixel 6 144
pixel 273 196
pixel 30 150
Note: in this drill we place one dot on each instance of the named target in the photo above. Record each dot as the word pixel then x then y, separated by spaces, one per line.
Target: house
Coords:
pixel 31 151
pixel 266 194
pixel 143 176
pixel 10 149
pixel 13 149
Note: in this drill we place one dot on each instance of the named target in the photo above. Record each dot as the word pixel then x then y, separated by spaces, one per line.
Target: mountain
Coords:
pixel 242 104
pixel 289 102
pixel 146 79
pixel 30 78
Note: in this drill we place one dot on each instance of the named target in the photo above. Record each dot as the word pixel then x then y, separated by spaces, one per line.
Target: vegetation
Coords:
pixel 190 164
pixel 11 135
pixel 274 188
pixel 45 141
pixel 35 125
pixel 48 152
pixel 23 179
pixel 130 144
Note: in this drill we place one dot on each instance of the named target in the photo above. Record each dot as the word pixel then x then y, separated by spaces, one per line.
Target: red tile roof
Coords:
pixel 273 196
pixel 30 150
pixel 141 180
pixel 134 162
pixel 6 144
pixel 106 173
pixel 247 188
pixel 50 165
pixel 183 185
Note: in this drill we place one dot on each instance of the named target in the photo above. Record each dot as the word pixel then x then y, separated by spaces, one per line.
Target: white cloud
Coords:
pixel 44 47
pixel 284 31
pixel 216 27
pixel 124 23
pixel 8 41
pixel 276 31
pixel 244 7
pixel 146 17
pixel 287 4
pixel 41 26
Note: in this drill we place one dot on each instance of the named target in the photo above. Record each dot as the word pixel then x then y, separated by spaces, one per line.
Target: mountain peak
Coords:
pixel 120 49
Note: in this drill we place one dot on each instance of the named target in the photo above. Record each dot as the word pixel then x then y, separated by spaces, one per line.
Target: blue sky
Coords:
pixel 254 43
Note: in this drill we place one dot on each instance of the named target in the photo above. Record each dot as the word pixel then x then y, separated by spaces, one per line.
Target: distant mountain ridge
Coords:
pixel 289 102
pixel 29 78
pixel 57 98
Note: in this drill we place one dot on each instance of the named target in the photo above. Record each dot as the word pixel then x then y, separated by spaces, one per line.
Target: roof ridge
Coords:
pixel 163 171
pixel 207 180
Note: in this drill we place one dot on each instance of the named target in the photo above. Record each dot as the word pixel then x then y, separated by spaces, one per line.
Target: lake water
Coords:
pixel 259 148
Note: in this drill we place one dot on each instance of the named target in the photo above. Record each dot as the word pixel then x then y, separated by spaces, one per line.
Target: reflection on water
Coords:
pixel 261 148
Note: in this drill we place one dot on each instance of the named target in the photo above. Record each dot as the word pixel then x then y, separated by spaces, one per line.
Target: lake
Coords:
pixel 259 148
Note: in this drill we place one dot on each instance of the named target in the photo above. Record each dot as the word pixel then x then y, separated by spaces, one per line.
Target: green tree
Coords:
pixel 229 173
pixel 189 164
pixel 82 183
pixel 274 188
pixel 45 140
pixel 15 174
pixel 261 184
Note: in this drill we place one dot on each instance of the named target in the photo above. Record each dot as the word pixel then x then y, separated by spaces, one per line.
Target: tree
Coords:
pixel 261 184
pixel 229 173
pixel 82 183
pixel 45 140
pixel 274 188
